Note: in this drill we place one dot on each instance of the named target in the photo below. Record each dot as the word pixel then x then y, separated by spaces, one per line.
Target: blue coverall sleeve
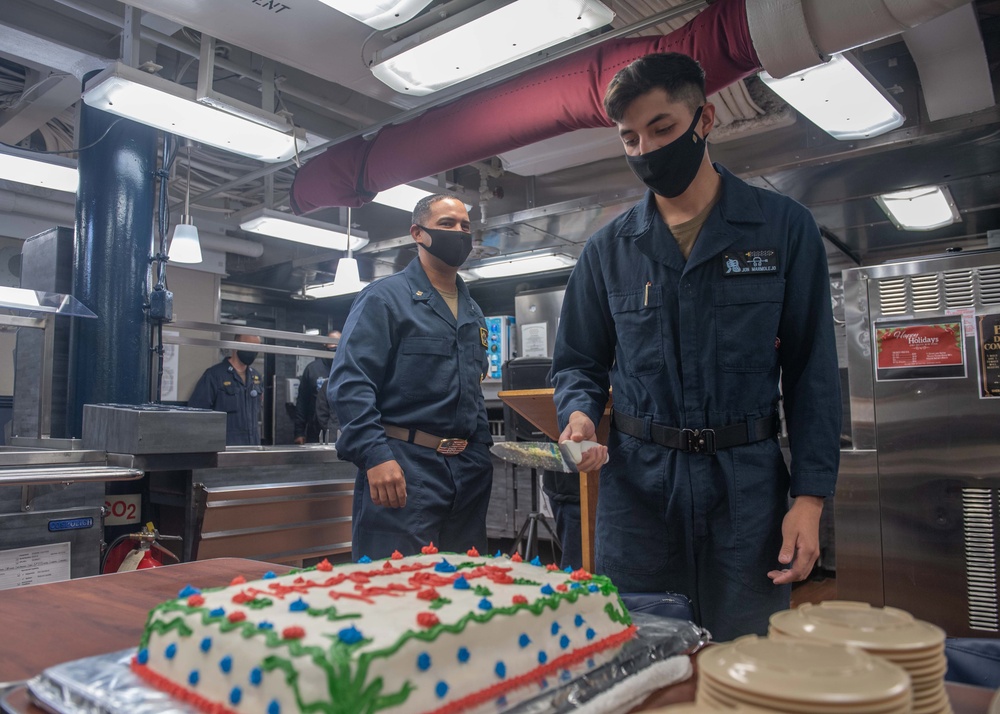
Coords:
pixel 585 342
pixel 203 396
pixel 357 376
pixel 810 376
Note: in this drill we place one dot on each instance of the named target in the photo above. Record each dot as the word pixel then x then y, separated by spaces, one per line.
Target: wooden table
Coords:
pixel 44 625
pixel 537 406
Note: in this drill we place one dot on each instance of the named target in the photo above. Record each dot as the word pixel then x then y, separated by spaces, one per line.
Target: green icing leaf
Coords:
pixel 439 603
pixel 525 581
pixel 482 591
pixel 258 603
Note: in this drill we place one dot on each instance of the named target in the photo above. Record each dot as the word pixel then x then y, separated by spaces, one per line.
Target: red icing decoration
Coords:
pixel 432 579
pixel 516 558
pixel 396 555
pixel 241 597
pixel 520 600
pixel 324 566
pixel 562 587
pixel 236 616
pixel 238 580
pixel 359 577
pixel 293 633
pixel 195 601
pixel 299 580
pixel 429 549
pixel 472 553
pixel 427 619
pixel 552 566
pixel 388 566
pixel 428 594
pixel 580 574
pixel 178 692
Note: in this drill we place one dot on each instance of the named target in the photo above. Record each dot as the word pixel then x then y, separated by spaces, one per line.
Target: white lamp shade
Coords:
pixel 185 247
pixel 346 281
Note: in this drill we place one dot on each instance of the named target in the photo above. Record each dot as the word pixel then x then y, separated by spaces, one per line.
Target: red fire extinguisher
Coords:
pixel 137 551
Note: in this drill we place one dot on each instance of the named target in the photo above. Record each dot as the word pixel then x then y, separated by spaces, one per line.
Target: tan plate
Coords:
pixel 804 671
pixel 859 624
pixel 731 695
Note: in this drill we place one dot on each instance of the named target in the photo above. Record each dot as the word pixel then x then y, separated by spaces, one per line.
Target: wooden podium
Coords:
pixel 537 407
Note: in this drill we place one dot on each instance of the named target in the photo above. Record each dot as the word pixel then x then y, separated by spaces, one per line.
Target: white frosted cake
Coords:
pixel 431 633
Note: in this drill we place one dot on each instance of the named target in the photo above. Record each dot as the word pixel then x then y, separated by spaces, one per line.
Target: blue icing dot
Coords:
pixel 590 662
pixel 498 554
pixel 544 684
pixel 590 633
pixel 555 627
pixel 542 658
pixel 463 655
pixel 268 575
pixel 217 612
pixel 193 677
pixel 564 642
pixel 501 669
pixel 524 640
pixel 299 605
pixel 364 559
pixel 593 588
pixel 423 662
pixel 256 676
pixel 574 586
pixel 502 701
pixel 485 604
pixel 206 644
pixel 226 664
pixel 536 561
pixel 565 675
pixel 274 707
pixel 265 625
pixel 171 651
pixel 350 635
pixel 568 569
pixel 143 656
pixel 461 583
pixel 445 567
pixel 235 695
pixel 578 620
pixel 188 591
pixel 547 590
pixel 441 690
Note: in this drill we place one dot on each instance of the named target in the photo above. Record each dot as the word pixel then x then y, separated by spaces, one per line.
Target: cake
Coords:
pixel 428 633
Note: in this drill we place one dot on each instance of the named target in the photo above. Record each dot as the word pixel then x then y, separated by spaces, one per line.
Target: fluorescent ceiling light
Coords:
pixel 379 14
pixel 268 222
pixel 402 197
pixel 23 167
pixel 839 97
pixel 174 108
pixel 482 38
pixel 346 281
pixel 920 209
pixel 521 266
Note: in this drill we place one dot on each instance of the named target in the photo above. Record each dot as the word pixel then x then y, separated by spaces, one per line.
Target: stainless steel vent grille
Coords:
pixel 892 296
pixel 980 519
pixel 959 290
pixel 989 285
pixel 926 292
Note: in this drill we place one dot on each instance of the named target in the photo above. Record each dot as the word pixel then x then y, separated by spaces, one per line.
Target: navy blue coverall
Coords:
pixel 221 389
pixel 405 361
pixel 701 344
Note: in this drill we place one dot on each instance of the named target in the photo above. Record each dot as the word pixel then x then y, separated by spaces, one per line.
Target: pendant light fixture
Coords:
pixel 185 247
pixel 347 280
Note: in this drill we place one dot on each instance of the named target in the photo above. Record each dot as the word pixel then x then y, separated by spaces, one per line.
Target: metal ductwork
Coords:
pixel 731 38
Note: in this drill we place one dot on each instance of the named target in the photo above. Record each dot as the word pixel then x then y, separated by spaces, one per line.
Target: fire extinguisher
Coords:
pixel 137 551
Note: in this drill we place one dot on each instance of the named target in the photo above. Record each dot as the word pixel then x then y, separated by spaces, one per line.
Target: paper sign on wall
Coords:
pixel 919 349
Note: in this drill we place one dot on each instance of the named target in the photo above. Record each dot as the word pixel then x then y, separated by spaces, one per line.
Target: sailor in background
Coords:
pixel 406 387
pixel 312 383
pixel 236 388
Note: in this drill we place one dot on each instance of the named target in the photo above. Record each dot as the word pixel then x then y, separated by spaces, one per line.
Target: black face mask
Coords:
pixel 669 170
pixel 245 357
pixel 451 247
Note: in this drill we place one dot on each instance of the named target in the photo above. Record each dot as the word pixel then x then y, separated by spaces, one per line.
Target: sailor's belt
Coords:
pixel 697 441
pixel 441 444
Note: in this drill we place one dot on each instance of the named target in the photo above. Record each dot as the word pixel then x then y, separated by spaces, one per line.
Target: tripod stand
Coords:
pixel 528 533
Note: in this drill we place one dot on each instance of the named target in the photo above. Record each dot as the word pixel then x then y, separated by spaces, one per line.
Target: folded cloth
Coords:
pixel 630 692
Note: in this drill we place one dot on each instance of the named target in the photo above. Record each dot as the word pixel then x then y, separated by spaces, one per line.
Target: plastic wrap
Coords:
pixel 105 685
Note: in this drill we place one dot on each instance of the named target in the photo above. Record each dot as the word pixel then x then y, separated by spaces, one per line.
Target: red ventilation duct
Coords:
pixel 555 98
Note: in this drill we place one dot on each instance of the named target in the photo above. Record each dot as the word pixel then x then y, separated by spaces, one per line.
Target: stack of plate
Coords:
pixel 916 646
pixel 799 676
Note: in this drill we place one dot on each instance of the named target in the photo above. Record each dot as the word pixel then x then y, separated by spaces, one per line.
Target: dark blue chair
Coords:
pixel 973 661
pixel 660 604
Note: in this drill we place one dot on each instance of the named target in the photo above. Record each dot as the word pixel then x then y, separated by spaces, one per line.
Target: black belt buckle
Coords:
pixel 699 441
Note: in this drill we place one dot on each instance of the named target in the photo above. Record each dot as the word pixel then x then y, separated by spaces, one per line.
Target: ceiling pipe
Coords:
pixel 540 103
pixel 731 39
pixel 791 35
